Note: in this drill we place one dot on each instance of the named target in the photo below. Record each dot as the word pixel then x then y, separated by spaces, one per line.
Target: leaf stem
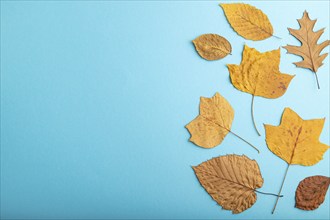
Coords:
pixel 252 113
pixel 317 80
pixel 277 37
pixel 244 140
pixel 286 172
pixel 273 194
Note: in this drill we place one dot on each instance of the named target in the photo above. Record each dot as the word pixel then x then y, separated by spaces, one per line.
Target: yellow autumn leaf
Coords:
pixel 296 141
pixel 213 123
pixel 248 21
pixel 259 75
pixel 309 49
pixel 212 46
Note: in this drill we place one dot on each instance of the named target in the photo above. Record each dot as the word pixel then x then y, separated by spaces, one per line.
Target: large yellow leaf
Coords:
pixel 212 46
pixel 309 49
pixel 248 21
pixel 259 74
pixel 231 181
pixel 296 141
pixel 213 123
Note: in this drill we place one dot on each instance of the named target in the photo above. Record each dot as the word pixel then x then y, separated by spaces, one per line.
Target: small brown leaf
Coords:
pixel 212 46
pixel 311 192
pixel 231 181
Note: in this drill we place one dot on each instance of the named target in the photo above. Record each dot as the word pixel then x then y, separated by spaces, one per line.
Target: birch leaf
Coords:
pixel 296 141
pixel 212 46
pixel 309 49
pixel 311 191
pixel 259 75
pixel 213 123
pixel 248 21
pixel 231 181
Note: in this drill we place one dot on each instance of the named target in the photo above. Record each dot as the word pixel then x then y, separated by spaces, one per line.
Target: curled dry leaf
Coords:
pixel 296 141
pixel 311 191
pixel 248 21
pixel 212 46
pixel 231 181
pixel 213 123
pixel 259 75
pixel 309 49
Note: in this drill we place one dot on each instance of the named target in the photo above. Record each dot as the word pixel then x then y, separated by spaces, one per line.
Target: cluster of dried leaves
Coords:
pixel 232 180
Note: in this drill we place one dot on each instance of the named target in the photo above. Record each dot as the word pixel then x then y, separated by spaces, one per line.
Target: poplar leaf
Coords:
pixel 248 21
pixel 311 191
pixel 309 49
pixel 259 75
pixel 296 141
pixel 231 181
pixel 213 123
pixel 212 46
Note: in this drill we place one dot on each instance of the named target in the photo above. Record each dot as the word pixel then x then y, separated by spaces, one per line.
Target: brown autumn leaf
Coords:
pixel 231 181
pixel 311 191
pixel 212 46
pixel 248 21
pixel 213 123
pixel 296 141
pixel 259 75
pixel 309 49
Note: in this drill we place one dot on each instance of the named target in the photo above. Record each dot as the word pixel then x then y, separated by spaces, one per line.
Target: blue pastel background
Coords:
pixel 95 97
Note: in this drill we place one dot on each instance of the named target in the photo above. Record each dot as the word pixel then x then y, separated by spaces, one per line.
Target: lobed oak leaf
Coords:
pixel 309 49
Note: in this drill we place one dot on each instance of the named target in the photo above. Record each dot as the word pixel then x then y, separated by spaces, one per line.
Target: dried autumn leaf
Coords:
pixel 231 181
pixel 259 75
pixel 309 49
pixel 248 21
pixel 213 123
pixel 311 191
pixel 296 141
pixel 212 46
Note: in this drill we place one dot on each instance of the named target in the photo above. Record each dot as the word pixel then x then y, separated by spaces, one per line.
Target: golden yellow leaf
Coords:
pixel 231 181
pixel 248 21
pixel 309 49
pixel 213 123
pixel 259 75
pixel 296 141
pixel 212 46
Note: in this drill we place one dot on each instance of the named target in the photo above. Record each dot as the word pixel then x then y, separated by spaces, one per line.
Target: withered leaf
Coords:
pixel 259 75
pixel 231 181
pixel 248 21
pixel 213 123
pixel 296 141
pixel 212 46
pixel 309 49
pixel 311 191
